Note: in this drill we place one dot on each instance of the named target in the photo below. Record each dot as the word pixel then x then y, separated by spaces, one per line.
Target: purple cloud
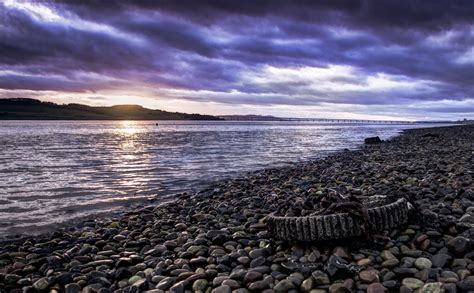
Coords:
pixel 243 52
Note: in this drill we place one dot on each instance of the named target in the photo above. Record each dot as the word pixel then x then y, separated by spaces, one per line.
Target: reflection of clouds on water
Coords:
pixel 53 171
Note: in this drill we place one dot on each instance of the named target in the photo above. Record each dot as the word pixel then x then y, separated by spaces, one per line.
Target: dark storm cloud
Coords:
pixel 210 51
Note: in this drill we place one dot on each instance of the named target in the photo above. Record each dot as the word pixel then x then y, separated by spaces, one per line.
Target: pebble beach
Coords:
pixel 216 240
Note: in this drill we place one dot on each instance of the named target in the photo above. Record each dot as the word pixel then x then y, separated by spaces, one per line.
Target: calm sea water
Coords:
pixel 56 171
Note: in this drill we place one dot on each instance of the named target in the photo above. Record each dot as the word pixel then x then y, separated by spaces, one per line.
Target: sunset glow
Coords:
pixel 344 61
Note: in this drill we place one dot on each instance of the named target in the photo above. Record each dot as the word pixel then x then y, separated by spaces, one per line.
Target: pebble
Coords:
pixel 200 285
pixel 222 289
pixel 320 278
pixel 440 260
pixel 72 288
pixel 376 288
pixel 369 276
pixel 307 285
pixel 390 263
pixel 458 245
pixel 412 283
pixel 422 263
pixel 284 286
pixel 41 285
pixel 386 255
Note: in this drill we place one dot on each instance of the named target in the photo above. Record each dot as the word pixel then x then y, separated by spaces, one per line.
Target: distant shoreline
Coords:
pixel 31 109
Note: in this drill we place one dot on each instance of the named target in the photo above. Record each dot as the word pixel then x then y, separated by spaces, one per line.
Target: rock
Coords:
pixel 260 286
pixel 404 272
pixel 218 280
pixel 458 245
pixel 72 288
pixel 259 261
pixel 390 263
pixel 412 283
pixel 338 268
pixel 164 284
pixel 259 252
pixel 244 260
pixel 390 284
pixel 41 285
pixel 307 285
pixel 122 273
pixel 181 226
pixel 463 274
pixel 252 276
pixel 372 140
pixel 369 276
pixel 440 260
pixel 233 284
pixel 320 278
pixel 338 288
pixel 199 217
pixel 407 262
pixel 376 288
pixel 54 261
pixel 449 274
pixel 132 280
pixel 386 255
pixel 12 279
pixel 432 288
pixel 341 252
pixel 222 289
pixel 467 284
pixel 364 262
pixel 284 286
pixel 200 285
pixel 178 287
pixel 422 263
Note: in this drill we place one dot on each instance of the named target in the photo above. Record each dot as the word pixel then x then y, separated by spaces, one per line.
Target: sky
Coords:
pixel 396 60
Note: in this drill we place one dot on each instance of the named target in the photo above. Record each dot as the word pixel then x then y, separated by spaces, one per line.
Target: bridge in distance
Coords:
pixel 320 120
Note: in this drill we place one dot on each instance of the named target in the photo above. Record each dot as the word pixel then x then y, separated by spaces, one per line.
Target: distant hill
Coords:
pixel 31 109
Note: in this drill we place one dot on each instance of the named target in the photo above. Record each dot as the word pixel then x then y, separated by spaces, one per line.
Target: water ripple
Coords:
pixel 57 171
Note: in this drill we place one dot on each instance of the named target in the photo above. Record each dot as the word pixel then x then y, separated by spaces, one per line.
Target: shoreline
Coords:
pixel 217 239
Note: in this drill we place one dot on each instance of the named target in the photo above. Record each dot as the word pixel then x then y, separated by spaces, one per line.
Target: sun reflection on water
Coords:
pixel 128 156
pixel 128 128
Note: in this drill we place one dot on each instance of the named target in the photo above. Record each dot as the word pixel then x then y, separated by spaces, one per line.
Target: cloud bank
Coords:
pixel 393 59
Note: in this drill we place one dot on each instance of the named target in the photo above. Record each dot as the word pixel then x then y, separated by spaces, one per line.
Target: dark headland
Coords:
pixel 216 240
pixel 31 109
